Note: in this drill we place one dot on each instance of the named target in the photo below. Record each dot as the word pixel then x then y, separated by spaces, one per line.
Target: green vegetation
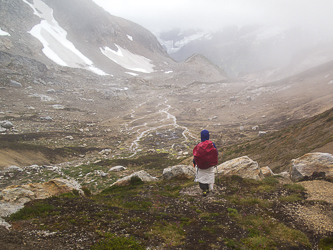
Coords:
pixel 150 161
pixel 157 212
pixel 326 243
pixel 172 233
pixel 291 198
pixel 112 242
pixel 232 212
pixel 294 187
pixel 39 209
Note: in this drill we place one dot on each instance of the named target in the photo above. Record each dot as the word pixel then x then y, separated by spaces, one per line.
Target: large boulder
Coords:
pixel 311 163
pixel 13 198
pixel 25 193
pixel 243 167
pixel 179 172
pixel 143 175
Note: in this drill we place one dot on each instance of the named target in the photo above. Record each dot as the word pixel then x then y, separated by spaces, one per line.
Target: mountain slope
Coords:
pixel 76 34
pixel 65 35
pixel 277 149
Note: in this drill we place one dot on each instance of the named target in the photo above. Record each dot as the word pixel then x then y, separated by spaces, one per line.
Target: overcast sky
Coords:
pixel 158 15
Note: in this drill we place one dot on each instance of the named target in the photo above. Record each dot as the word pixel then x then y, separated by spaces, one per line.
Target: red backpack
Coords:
pixel 205 154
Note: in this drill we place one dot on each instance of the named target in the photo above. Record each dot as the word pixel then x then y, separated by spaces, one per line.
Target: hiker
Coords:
pixel 205 158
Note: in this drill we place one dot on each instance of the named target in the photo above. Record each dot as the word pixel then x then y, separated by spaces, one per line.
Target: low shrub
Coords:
pixel 326 243
pixel 28 212
pixel 112 242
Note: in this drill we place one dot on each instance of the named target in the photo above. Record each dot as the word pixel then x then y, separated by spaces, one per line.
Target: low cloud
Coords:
pixel 214 14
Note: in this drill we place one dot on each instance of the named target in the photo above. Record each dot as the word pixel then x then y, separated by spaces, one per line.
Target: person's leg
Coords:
pixel 204 187
pixel 211 187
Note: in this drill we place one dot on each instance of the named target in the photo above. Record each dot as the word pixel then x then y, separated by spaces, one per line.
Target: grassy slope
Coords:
pixel 277 149
pixel 239 215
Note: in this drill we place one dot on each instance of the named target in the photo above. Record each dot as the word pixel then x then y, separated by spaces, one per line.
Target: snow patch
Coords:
pixel 132 74
pixel 54 39
pixel 128 60
pixel 130 37
pixel 173 46
pixel 4 33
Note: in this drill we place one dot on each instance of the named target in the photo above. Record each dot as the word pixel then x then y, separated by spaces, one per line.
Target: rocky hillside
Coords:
pixel 77 34
pixel 250 208
pixel 277 149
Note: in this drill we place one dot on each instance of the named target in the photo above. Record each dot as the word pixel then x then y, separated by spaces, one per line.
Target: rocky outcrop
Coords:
pixel 311 163
pixel 143 175
pixel 13 198
pixel 266 171
pixel 179 172
pixel 243 167
pixel 25 193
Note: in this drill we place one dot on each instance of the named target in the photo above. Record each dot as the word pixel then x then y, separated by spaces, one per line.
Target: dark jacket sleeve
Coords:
pixel 216 148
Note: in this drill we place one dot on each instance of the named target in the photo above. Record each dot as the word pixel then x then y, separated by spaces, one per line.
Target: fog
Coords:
pixel 215 14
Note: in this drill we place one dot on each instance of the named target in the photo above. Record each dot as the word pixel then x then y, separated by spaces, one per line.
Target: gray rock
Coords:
pixel 179 172
pixel 5 224
pixel 143 175
pixel 8 208
pixel 100 173
pixel 212 118
pixel 6 124
pixel 262 133
pixel 254 128
pixel 33 167
pixel 46 118
pixel 50 91
pixel 13 168
pixel 243 167
pixel 25 193
pixel 17 194
pixel 310 163
pixel 58 106
pixel 285 174
pixel 117 169
pixel 105 151
pixel 43 98
pixel 15 84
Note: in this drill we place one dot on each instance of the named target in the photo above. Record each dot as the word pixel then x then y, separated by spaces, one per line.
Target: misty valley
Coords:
pixel 99 118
